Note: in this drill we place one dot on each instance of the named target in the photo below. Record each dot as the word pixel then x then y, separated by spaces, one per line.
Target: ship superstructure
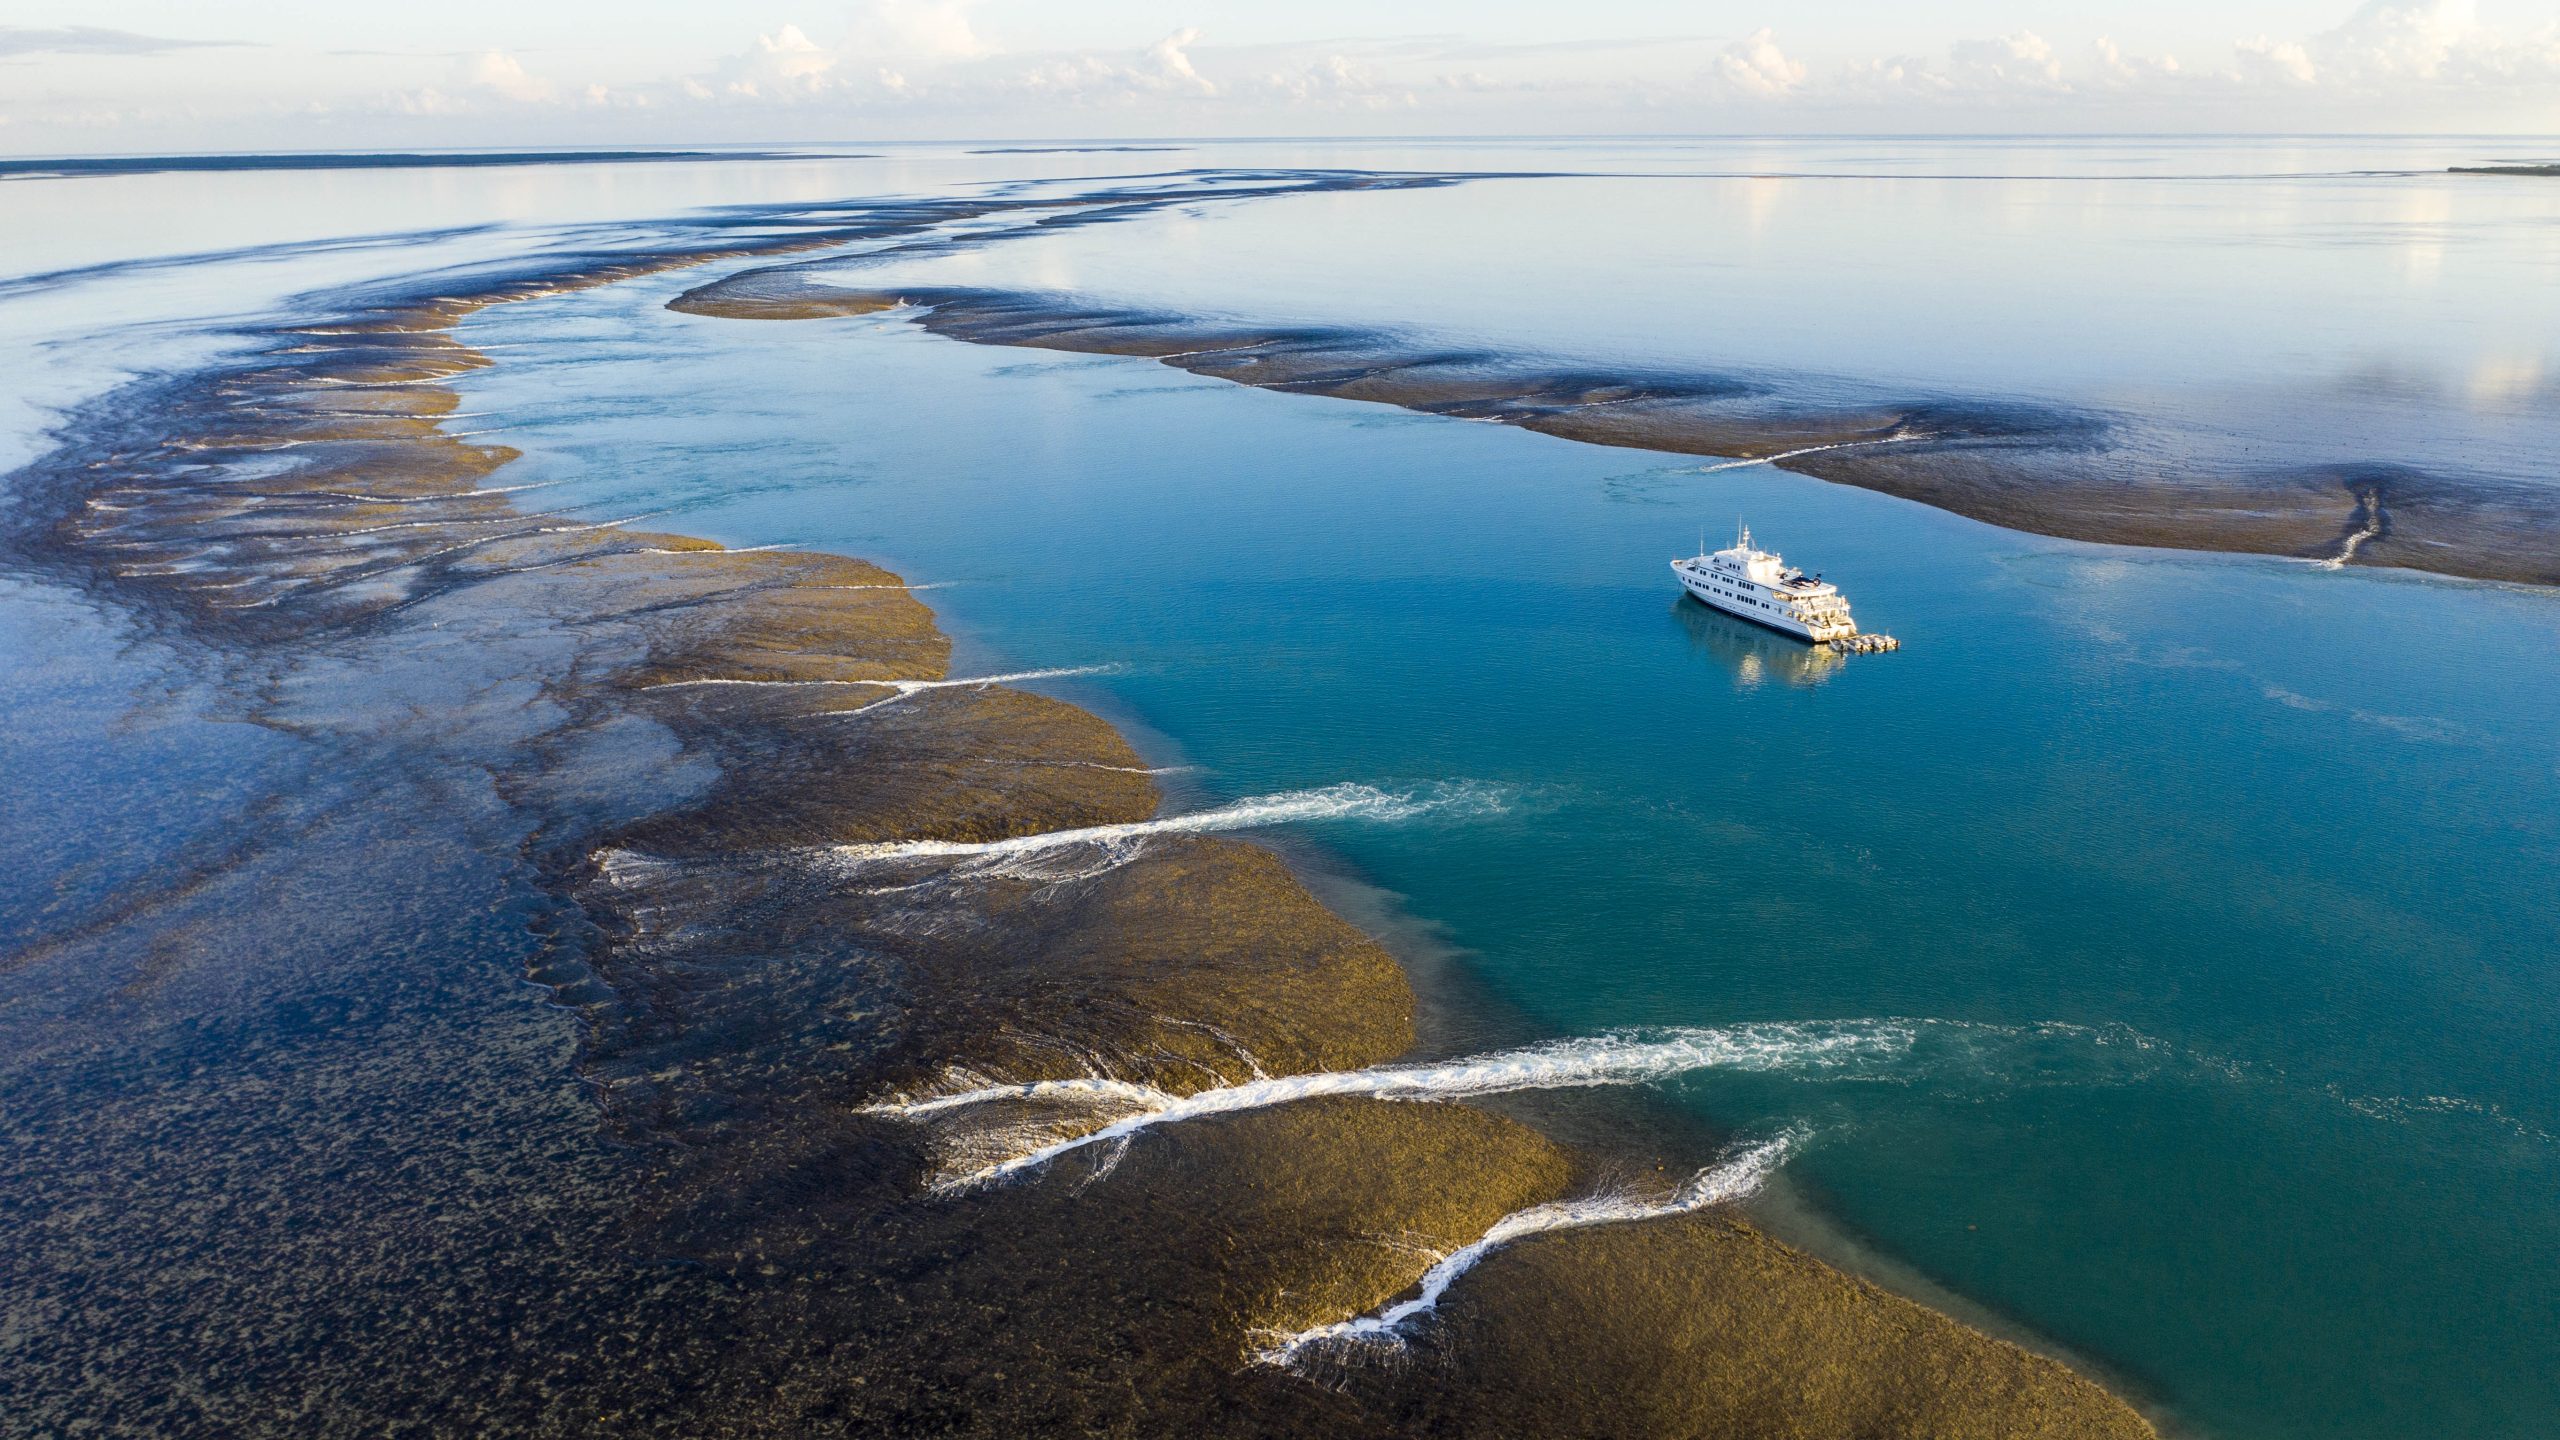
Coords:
pixel 1762 588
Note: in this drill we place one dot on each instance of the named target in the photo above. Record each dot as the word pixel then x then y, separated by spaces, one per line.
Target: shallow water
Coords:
pixel 2235 872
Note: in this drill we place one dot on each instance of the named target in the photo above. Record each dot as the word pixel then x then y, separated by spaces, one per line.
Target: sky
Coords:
pixel 111 76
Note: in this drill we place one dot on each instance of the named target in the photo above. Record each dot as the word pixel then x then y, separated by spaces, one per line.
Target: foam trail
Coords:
pixel 1729 1179
pixel 720 550
pixel 1347 801
pixel 1611 1059
pixel 1896 438
pixel 903 688
pixel 2355 542
pixel 395 525
pixel 1115 769
pixel 352 497
pixel 1087 1089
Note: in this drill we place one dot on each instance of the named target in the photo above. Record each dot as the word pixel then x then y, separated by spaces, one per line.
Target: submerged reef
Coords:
pixel 2032 467
pixel 813 920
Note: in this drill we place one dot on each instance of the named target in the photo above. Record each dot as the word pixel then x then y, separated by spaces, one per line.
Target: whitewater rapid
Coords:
pixel 1602 1060
pixel 1347 801
pixel 1056 856
pixel 900 688
pixel 1732 1178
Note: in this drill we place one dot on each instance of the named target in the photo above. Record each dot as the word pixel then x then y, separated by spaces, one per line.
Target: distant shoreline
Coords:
pixel 78 167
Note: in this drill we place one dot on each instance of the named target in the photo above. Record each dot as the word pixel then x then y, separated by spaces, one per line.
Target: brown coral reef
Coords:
pixel 2023 467
pixel 396 1197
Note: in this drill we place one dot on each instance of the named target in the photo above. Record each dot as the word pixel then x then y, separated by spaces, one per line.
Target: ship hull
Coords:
pixel 1767 619
pixel 1721 606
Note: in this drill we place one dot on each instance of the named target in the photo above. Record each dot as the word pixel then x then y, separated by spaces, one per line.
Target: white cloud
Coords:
pixel 781 65
pixel 2412 55
pixel 928 51
pixel 477 81
pixel 1755 65
pixel 1162 71
pixel 502 75
pixel 2003 70
pixel 2021 61
pixel 1335 80
pixel 911 30
pixel 886 40
pixel 2280 62
pixel 1169 62
pixel 600 96
pixel 2116 67
pixel 2389 38
pixel 943 67
pixel 2407 48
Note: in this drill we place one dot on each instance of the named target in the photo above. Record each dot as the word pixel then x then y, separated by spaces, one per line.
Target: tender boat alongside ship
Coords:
pixel 1760 587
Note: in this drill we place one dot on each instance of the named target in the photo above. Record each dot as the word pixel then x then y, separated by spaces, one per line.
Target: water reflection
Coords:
pixel 1755 654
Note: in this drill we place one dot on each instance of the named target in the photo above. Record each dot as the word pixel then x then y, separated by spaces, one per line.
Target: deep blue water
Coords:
pixel 2229 879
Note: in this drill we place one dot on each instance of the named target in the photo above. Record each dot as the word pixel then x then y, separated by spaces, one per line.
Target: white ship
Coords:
pixel 1759 587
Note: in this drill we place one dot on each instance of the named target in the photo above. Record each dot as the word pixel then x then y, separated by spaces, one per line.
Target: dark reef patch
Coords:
pixel 2044 469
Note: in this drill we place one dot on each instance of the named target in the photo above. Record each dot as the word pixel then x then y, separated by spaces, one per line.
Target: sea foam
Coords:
pixel 1898 437
pixel 900 689
pixel 987 1157
pixel 1348 801
pixel 1732 1178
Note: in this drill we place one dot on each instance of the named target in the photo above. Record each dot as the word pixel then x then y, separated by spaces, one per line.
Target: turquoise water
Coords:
pixel 2226 882
pixel 2238 870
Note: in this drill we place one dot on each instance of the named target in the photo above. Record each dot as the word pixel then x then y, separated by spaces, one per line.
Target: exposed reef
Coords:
pixel 2038 468
pixel 733 809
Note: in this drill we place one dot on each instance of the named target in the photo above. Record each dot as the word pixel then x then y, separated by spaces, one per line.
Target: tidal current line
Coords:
pixel 1348 801
pixel 1610 1059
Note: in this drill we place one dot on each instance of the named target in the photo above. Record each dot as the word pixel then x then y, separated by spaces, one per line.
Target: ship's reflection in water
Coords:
pixel 1756 655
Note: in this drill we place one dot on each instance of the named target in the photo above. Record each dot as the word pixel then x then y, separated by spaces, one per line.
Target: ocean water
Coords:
pixel 2223 306
pixel 2219 888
